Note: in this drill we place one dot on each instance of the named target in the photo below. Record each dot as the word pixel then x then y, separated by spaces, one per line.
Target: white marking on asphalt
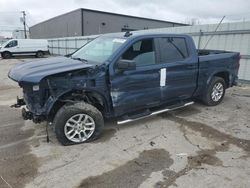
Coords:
pixel 6 182
pixel 21 141
pixel 11 124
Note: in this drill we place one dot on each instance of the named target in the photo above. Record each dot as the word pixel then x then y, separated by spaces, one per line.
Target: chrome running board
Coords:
pixel 154 113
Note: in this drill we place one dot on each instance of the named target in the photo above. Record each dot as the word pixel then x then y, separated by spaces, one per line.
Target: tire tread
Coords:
pixel 67 111
pixel 207 95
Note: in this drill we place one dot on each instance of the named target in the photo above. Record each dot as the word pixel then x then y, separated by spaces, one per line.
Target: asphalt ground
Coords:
pixel 197 146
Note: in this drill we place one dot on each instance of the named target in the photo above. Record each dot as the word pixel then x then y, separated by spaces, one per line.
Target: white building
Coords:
pixel 19 34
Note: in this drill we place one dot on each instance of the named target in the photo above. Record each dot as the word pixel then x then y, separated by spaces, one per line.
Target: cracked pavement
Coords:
pixel 197 146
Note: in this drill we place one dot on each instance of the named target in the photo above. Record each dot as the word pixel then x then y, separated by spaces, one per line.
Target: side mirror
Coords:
pixel 124 64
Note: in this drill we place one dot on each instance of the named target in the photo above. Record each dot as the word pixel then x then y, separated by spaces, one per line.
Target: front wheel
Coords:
pixel 6 55
pixel 215 91
pixel 78 123
pixel 39 54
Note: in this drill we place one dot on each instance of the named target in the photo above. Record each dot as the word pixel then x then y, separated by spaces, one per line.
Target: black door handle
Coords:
pixel 190 66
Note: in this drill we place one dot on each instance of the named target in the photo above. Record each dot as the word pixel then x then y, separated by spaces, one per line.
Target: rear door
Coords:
pixel 136 89
pixel 181 68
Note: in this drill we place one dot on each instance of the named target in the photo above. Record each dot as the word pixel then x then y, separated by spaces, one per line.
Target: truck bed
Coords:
pixel 218 56
pixel 211 61
pixel 210 52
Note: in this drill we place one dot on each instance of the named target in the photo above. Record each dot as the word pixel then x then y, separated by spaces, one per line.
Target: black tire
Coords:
pixel 70 110
pixel 39 54
pixel 207 97
pixel 6 55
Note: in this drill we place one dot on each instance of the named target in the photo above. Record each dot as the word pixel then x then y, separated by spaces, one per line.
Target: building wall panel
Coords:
pixel 230 36
pixel 61 26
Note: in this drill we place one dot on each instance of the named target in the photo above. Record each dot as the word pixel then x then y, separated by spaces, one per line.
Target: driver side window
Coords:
pixel 142 52
pixel 11 44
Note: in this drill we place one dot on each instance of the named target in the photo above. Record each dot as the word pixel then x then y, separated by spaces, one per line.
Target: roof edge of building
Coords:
pixel 111 13
pixel 130 16
pixel 79 9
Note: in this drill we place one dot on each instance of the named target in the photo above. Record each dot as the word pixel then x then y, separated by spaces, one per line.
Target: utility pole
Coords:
pixel 24 24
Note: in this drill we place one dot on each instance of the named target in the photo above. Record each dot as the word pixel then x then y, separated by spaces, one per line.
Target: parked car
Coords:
pixel 124 76
pixel 14 47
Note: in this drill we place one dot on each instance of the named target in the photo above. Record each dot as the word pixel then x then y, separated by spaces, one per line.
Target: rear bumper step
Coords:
pixel 170 108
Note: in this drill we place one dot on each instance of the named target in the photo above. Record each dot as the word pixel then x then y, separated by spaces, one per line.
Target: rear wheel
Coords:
pixel 215 91
pixel 6 55
pixel 39 54
pixel 78 123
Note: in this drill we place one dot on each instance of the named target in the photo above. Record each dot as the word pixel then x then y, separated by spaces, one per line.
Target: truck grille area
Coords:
pixel 35 100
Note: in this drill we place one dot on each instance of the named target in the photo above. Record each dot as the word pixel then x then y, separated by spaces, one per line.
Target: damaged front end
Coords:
pixel 44 85
pixel 34 103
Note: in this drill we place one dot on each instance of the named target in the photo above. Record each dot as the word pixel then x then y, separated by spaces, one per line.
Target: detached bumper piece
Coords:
pixel 26 114
pixel 19 103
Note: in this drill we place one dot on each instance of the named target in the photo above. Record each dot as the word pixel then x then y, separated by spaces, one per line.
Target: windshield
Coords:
pixel 99 49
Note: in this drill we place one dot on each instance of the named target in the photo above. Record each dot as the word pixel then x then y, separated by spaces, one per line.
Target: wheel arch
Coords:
pixel 6 51
pixel 225 74
pixel 91 97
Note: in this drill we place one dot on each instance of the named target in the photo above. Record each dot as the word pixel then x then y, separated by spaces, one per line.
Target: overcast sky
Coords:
pixel 209 11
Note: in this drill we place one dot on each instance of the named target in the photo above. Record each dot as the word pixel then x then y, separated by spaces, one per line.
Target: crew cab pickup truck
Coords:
pixel 123 76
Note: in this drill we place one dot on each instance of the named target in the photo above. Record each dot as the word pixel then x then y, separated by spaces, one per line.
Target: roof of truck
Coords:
pixel 134 34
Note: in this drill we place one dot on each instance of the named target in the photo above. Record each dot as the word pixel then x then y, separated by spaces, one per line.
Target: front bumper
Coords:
pixel 27 115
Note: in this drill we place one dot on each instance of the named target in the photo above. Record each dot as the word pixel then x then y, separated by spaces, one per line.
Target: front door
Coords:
pixel 12 46
pixel 132 90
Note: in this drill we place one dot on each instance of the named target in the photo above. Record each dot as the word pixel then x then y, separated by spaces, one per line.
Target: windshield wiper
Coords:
pixel 80 59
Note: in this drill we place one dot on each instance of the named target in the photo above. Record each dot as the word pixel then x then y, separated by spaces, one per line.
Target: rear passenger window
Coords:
pixel 172 49
pixel 142 52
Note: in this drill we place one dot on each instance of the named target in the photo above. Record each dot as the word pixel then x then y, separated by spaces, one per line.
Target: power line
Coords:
pixel 8 12
pixel 5 30
pixel 10 26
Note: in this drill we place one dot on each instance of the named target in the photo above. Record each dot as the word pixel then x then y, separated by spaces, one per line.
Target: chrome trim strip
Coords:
pixel 154 113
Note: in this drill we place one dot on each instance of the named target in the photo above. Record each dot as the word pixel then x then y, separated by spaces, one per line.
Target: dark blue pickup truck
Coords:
pixel 127 76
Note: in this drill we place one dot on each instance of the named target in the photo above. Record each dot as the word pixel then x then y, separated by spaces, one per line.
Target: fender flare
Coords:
pixel 6 51
pixel 59 99
pixel 227 71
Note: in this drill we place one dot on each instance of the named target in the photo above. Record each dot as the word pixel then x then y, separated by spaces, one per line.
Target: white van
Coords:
pixel 14 47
